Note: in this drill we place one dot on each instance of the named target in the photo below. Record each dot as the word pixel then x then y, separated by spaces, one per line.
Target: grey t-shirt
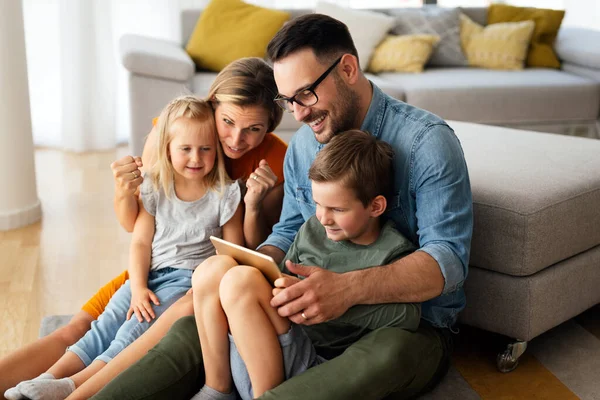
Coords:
pixel 182 229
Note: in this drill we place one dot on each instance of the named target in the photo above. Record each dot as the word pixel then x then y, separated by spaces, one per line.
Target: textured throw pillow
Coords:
pixel 367 28
pixel 405 53
pixel 497 46
pixel 547 24
pixel 443 22
pixel 231 29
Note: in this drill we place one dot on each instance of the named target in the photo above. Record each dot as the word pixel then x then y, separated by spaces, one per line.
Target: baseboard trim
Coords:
pixel 18 218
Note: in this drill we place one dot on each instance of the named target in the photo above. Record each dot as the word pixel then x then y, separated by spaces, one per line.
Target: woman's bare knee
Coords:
pixel 75 329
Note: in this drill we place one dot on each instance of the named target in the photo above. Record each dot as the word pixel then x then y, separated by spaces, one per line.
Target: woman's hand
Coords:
pixel 260 182
pixel 140 304
pixel 127 174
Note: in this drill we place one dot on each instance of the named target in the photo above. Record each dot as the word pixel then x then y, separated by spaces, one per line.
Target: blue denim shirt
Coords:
pixel 432 205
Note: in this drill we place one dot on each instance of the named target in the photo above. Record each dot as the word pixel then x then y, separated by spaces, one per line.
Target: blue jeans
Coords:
pixel 111 332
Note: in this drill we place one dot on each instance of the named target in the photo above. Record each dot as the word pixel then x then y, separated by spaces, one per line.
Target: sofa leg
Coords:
pixel 508 360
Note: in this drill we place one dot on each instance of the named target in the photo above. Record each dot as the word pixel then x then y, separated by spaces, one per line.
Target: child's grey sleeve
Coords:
pixel 149 195
pixel 229 202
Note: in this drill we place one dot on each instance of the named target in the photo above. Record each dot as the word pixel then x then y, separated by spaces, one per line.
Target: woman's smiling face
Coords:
pixel 240 129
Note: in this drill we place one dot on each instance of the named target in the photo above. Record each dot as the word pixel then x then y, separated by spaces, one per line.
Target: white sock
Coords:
pixel 14 394
pixel 47 389
pixel 208 393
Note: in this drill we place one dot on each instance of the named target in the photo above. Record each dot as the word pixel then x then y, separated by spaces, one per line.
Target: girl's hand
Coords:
pixel 127 174
pixel 140 304
pixel 260 182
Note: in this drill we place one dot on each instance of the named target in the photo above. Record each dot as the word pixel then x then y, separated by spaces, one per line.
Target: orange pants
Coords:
pixel 96 305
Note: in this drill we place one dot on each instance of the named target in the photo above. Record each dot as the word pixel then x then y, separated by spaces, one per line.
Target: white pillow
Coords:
pixel 367 28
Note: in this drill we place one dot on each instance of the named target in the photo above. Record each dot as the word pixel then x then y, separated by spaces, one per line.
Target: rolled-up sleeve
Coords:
pixel 291 218
pixel 441 187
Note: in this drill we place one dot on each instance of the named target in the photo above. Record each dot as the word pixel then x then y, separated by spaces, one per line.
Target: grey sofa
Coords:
pixel 560 101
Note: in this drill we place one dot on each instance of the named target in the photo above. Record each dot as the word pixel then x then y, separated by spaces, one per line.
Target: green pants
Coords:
pixel 387 363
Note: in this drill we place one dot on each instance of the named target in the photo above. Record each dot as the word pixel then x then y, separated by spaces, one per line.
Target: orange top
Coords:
pixel 96 305
pixel 272 149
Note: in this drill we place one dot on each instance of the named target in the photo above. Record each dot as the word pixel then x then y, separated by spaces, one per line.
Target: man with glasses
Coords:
pixel 319 80
pixel 432 206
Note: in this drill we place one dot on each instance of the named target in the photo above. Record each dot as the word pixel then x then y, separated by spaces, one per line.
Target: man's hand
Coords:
pixel 127 174
pixel 140 304
pixel 322 296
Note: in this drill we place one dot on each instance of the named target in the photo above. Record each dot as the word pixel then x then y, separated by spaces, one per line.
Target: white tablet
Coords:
pixel 245 256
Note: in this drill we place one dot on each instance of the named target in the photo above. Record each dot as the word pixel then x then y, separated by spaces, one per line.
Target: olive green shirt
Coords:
pixel 312 247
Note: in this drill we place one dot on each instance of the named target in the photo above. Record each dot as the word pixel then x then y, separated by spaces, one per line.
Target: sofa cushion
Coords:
pixel 535 197
pixel 231 29
pixel 500 97
pixel 404 53
pixel 579 46
pixel 442 22
pixel 547 23
pixel 497 46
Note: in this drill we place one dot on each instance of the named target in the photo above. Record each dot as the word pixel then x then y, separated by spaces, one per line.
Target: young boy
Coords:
pixel 351 178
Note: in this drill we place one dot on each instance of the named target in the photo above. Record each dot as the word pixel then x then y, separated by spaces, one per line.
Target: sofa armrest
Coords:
pixel 579 46
pixel 156 58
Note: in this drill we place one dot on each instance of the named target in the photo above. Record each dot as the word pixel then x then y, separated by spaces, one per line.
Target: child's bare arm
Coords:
pixel 139 266
pixel 232 230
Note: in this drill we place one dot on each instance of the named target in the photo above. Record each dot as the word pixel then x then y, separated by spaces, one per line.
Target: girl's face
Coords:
pixel 240 129
pixel 193 148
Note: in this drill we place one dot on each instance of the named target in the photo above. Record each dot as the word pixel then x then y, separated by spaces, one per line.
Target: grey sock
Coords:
pixel 47 389
pixel 14 394
pixel 208 393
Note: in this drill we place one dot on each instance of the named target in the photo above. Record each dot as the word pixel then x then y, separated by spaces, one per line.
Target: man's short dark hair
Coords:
pixel 360 162
pixel 326 36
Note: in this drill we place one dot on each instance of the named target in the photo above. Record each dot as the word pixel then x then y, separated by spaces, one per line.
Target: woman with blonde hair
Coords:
pixel 246 116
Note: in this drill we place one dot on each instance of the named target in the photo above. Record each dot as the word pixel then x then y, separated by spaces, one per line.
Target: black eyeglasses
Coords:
pixel 306 97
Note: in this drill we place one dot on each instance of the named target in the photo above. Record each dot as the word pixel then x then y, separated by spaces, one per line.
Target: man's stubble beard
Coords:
pixel 347 108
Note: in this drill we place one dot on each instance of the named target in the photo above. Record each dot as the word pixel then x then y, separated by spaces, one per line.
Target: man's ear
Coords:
pixel 378 206
pixel 350 70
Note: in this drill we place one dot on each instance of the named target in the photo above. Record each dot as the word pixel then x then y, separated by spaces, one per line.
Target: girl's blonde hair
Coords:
pixel 248 82
pixel 162 171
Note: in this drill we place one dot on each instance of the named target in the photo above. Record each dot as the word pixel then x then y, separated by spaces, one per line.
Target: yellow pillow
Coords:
pixel 404 53
pixel 231 29
pixel 547 23
pixel 497 46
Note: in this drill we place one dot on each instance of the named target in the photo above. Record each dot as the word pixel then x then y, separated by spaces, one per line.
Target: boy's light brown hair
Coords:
pixel 358 161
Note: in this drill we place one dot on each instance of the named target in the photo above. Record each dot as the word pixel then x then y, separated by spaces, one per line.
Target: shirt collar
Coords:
pixel 374 118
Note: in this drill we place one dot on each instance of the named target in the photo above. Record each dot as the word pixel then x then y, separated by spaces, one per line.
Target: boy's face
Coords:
pixel 343 215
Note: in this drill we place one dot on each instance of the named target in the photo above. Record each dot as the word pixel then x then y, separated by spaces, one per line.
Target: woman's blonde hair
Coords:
pixel 162 171
pixel 247 82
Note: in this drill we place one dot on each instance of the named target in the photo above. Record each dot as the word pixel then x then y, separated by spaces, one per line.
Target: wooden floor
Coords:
pixel 55 265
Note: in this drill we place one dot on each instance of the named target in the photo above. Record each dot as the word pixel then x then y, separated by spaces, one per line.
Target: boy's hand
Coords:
pixel 322 296
pixel 140 304
pixel 260 182
pixel 284 282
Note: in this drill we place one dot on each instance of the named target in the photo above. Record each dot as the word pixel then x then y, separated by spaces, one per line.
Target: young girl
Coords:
pixel 187 198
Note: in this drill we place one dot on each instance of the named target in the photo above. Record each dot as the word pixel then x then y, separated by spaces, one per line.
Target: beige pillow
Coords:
pixel 367 28
pixel 404 53
pixel 496 46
